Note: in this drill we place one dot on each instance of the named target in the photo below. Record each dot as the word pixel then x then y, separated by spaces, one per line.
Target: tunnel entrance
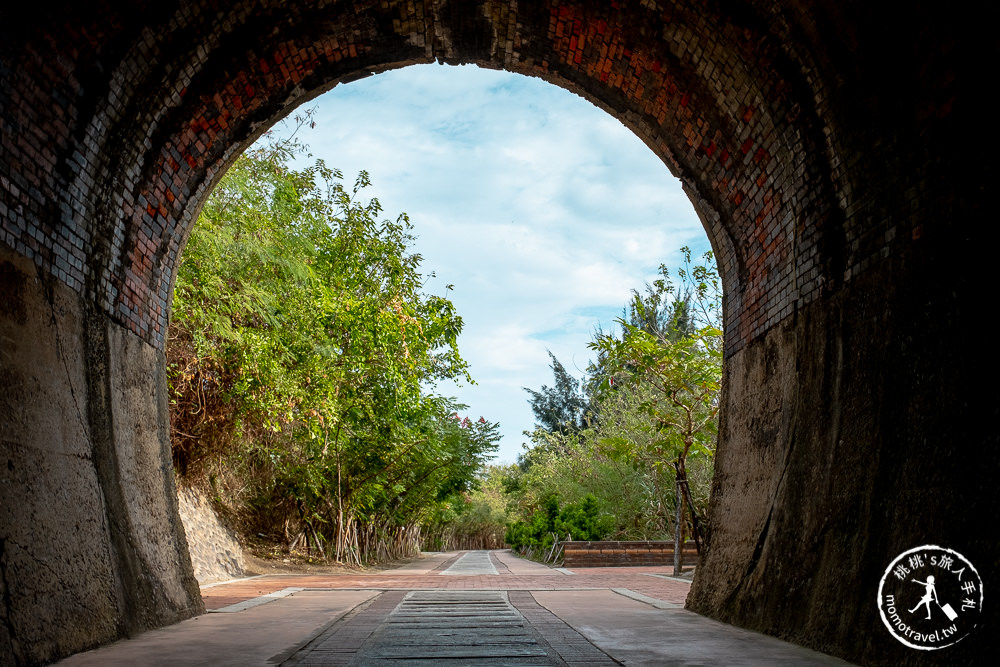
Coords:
pixel 818 148
pixel 545 215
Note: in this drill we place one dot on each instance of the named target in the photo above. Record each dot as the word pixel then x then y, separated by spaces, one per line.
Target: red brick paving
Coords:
pixel 637 579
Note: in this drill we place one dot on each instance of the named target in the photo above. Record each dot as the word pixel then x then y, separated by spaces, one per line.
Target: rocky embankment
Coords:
pixel 215 552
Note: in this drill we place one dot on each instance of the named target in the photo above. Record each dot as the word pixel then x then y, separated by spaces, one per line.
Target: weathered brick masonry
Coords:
pixel 625 554
pixel 838 153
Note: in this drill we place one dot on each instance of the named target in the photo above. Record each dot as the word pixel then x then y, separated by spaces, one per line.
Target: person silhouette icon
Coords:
pixel 930 593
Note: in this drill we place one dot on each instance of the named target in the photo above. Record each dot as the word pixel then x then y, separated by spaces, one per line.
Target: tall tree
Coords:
pixel 303 352
pixel 562 407
pixel 685 372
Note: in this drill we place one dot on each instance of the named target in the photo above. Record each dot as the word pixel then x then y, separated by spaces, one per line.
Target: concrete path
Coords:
pixel 472 562
pixel 465 608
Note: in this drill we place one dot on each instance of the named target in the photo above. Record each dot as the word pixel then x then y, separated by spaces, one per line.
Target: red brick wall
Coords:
pixel 838 152
pixel 119 119
pixel 625 554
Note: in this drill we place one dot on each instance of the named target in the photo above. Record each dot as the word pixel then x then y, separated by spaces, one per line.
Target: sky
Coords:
pixel 542 211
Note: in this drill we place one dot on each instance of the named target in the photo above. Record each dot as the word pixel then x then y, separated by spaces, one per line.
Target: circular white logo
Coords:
pixel 930 597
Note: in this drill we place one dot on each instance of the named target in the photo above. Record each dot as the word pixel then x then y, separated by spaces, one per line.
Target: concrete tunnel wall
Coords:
pixel 823 151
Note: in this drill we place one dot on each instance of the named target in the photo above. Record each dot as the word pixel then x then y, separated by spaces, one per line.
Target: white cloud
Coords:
pixel 541 209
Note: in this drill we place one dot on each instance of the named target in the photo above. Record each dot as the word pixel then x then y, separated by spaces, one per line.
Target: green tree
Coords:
pixel 684 371
pixel 476 519
pixel 572 466
pixel 562 407
pixel 549 524
pixel 644 453
pixel 303 354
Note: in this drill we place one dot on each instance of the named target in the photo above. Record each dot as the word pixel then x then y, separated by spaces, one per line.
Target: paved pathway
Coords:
pixel 464 608
pixel 472 562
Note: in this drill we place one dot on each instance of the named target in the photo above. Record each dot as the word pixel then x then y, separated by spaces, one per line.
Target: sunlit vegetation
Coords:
pixel 626 453
pixel 303 354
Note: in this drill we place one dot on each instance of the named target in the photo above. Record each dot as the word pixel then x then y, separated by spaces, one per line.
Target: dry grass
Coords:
pixel 297 563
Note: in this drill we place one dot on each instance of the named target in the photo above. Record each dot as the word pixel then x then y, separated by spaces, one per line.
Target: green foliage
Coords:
pixel 583 520
pixel 303 355
pixel 474 519
pixel 562 407
pixel 575 465
pixel 652 399
pixel 675 366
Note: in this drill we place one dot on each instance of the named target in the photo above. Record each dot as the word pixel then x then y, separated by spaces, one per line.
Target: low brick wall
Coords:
pixel 624 554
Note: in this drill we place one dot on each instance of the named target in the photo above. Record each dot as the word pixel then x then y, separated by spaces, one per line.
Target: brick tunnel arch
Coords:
pixel 817 148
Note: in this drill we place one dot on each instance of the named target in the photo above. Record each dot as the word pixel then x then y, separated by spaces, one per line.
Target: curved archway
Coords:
pixel 807 141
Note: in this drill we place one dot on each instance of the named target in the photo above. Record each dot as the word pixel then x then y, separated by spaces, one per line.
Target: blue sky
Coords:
pixel 542 210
